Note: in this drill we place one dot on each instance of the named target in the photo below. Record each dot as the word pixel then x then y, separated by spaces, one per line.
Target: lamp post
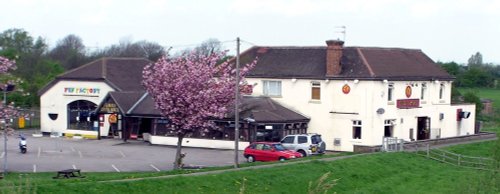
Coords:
pixel 6 89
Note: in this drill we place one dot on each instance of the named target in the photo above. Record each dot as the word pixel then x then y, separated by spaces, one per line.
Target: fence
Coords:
pixel 458 159
pixel 27 119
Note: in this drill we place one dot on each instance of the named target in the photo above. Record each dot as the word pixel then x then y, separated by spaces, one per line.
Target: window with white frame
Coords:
pixel 272 88
pixel 441 91
pixel 423 91
pixel 356 129
pixel 389 127
pixel 315 91
pixel 390 93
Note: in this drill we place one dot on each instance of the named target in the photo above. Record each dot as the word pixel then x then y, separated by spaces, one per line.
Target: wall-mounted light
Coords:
pixel 294 80
pixel 385 81
pixel 356 81
pixel 437 81
pixel 345 81
pixel 327 80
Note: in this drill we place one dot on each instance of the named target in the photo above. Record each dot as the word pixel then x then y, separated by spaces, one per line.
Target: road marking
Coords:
pixel 123 155
pixel 153 166
pixel 3 154
pixel 80 153
pixel 34 167
pixel 74 167
pixel 117 170
pixel 73 149
pixel 39 152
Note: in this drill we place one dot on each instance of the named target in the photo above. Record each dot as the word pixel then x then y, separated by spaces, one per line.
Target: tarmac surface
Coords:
pixel 49 154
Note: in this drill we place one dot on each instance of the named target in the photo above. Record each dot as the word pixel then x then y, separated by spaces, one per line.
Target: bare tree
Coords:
pixel 69 51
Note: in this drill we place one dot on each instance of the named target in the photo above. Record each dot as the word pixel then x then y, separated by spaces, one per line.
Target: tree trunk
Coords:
pixel 178 158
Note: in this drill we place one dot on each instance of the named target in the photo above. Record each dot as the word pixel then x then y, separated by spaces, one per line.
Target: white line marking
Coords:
pixel 74 167
pixel 123 155
pixel 117 170
pixel 154 167
pixel 73 149
pixel 3 154
pixel 39 152
pixel 34 167
pixel 80 153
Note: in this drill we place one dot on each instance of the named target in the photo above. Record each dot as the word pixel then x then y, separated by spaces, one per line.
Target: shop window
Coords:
pixel 315 91
pixel 356 129
pixel 272 88
pixel 79 114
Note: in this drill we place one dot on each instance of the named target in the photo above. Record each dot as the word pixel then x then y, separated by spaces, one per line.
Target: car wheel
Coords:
pixel 282 159
pixel 303 153
pixel 250 159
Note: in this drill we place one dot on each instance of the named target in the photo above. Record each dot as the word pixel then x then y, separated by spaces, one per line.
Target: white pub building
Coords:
pixel 352 96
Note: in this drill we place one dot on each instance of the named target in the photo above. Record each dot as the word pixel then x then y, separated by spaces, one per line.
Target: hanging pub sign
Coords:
pixel 408 91
pixel 346 89
pixel 408 103
pixel 113 118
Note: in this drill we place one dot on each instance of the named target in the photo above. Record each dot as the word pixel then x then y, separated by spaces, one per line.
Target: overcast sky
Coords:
pixel 446 30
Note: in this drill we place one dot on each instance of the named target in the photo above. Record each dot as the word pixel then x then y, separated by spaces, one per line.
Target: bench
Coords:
pixel 69 173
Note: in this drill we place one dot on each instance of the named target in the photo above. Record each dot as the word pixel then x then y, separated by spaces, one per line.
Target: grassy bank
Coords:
pixel 379 173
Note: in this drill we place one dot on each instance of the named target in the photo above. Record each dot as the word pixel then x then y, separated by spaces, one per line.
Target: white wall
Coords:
pixel 54 100
pixel 332 116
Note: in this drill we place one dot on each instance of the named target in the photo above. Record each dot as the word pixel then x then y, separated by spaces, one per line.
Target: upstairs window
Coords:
pixel 441 91
pixel 315 91
pixel 272 88
pixel 390 93
pixel 422 91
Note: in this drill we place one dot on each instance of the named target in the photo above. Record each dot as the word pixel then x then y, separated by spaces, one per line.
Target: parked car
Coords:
pixel 268 151
pixel 306 144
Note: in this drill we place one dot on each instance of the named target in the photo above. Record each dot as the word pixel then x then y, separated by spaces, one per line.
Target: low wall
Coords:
pixel 197 143
pixel 431 142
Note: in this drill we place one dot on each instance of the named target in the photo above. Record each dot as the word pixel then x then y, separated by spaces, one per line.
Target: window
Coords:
pixel 356 129
pixel 390 93
pixel 302 139
pixel 315 91
pixel 288 139
pixel 422 92
pixel 389 128
pixel 441 91
pixel 79 114
pixel 272 88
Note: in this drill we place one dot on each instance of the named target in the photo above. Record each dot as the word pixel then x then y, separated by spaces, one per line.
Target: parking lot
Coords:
pixel 106 155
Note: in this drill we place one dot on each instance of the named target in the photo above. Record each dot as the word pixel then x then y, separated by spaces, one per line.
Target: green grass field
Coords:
pixel 377 173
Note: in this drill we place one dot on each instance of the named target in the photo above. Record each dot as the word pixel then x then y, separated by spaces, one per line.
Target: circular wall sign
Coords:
pixel 346 89
pixel 112 118
pixel 408 91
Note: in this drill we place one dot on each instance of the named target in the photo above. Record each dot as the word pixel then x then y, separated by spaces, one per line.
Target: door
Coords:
pixel 423 128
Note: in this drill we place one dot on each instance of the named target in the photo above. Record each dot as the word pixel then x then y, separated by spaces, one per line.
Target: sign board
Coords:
pixel 109 107
pixel 81 91
pixel 408 103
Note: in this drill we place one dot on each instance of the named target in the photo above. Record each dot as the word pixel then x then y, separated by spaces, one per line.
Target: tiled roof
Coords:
pixel 123 74
pixel 357 62
pixel 266 110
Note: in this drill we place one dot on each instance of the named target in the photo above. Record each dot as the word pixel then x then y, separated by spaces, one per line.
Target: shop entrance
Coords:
pixel 423 128
pixel 145 126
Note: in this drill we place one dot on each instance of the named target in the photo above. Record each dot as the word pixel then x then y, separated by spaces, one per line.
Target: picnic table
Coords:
pixel 69 173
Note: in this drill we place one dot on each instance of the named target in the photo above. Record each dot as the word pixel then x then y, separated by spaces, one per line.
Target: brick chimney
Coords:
pixel 333 55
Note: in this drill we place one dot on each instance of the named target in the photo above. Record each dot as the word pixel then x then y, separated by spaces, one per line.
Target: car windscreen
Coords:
pixel 316 139
pixel 279 147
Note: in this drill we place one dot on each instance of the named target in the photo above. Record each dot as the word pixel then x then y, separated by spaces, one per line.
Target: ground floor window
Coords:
pixel 79 114
pixel 389 128
pixel 356 129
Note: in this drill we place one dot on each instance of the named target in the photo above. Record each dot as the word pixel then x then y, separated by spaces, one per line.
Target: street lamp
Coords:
pixel 7 88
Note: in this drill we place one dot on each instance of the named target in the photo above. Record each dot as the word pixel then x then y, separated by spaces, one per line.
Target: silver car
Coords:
pixel 306 144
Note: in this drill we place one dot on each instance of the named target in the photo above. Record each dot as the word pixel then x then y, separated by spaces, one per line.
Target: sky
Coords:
pixel 446 30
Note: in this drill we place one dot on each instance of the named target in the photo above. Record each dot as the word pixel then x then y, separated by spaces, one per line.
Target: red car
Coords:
pixel 269 151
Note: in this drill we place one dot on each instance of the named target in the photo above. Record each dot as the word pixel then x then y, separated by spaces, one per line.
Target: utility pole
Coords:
pixel 236 101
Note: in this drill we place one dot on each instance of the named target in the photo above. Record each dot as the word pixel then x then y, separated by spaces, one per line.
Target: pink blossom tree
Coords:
pixel 192 90
pixel 7 112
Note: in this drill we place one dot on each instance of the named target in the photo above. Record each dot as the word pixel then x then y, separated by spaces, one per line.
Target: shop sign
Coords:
pixel 82 91
pixel 408 103
pixel 113 118
pixel 408 91
pixel 109 107
pixel 346 89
